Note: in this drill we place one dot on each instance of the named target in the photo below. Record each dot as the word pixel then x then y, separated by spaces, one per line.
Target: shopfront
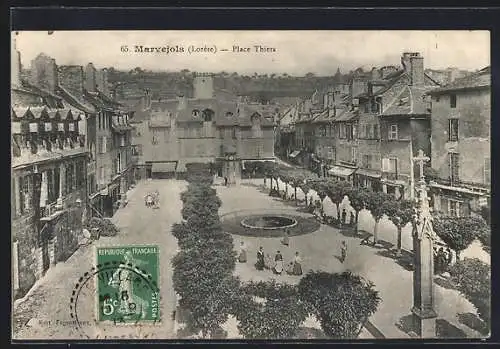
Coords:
pixel 342 173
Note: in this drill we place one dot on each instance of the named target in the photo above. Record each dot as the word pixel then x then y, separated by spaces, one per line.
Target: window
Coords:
pixel 137 150
pixel 354 131
pixel 454 208
pixel 393 132
pixel 342 131
pixel 487 170
pixel 376 132
pixel 25 190
pixel 390 165
pixel 366 161
pixel 348 130
pixel 208 115
pixel 70 178
pixel 453 130
pixel 322 131
pixel 453 101
pixel 100 120
pixel 166 135
pixel 196 113
pixel 354 154
pixel 454 167
pixel 437 99
pixel 233 132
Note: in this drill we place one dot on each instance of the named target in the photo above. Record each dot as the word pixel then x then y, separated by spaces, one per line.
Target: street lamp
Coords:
pixel 423 311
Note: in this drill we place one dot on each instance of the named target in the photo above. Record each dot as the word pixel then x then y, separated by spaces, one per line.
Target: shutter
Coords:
pixel 385 165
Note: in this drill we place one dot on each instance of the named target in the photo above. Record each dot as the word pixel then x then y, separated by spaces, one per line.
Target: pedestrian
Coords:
pixel 352 220
pixel 242 258
pixel 286 240
pixel 344 216
pixel 225 181
pixel 297 267
pixel 343 251
pixel 278 263
pixel 441 261
pixel 260 259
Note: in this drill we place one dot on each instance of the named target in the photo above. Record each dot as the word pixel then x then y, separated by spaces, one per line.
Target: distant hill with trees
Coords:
pixel 165 85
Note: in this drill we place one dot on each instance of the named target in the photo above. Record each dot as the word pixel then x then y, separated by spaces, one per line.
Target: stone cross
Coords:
pixel 421 158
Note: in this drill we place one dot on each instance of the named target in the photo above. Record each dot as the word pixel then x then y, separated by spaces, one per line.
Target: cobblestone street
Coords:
pixel 140 226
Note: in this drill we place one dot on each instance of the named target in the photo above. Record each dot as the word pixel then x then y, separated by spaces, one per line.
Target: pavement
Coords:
pixel 36 317
pixel 319 250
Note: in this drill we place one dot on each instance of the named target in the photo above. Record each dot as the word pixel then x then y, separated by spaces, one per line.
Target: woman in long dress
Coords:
pixel 260 259
pixel 297 267
pixel 242 258
pixel 278 263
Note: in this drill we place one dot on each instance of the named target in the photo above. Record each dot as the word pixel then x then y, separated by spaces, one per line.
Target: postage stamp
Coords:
pixel 120 295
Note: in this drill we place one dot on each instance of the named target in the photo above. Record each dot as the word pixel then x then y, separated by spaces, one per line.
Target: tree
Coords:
pixel 341 302
pixel 375 204
pixel 473 279
pixel 337 190
pixel 358 197
pixel 459 232
pixel 400 213
pixel 296 181
pixel 207 259
pixel 277 316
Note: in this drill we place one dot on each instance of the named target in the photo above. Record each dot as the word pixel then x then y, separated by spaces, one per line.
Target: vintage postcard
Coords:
pixel 250 184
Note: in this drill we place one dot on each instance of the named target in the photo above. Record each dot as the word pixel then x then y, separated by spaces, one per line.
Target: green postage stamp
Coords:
pixel 128 291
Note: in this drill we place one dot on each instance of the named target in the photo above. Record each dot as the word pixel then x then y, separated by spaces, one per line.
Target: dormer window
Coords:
pixel 229 114
pixel 196 113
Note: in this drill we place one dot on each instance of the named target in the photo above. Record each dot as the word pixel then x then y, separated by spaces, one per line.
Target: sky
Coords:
pixel 295 52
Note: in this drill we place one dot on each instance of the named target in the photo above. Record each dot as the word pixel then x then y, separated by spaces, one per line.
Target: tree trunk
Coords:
pixel 398 251
pixel 457 255
pixel 375 232
pixel 295 193
pixel 337 204
pixel 286 190
pixel 356 223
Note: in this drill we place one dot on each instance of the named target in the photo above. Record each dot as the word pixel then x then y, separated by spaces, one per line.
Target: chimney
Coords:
pixel 44 72
pixel 71 78
pixel 15 64
pixel 101 77
pixel 90 78
pixel 413 63
pixel 417 69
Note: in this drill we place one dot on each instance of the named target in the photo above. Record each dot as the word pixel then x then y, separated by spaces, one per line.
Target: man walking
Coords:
pixel 343 251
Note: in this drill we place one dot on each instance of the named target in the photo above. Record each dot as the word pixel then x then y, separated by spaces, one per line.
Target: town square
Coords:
pixel 352 203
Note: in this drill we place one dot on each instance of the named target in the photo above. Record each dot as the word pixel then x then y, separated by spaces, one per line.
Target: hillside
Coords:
pixel 130 85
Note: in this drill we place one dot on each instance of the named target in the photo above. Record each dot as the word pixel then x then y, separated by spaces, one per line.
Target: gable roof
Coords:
pixel 409 101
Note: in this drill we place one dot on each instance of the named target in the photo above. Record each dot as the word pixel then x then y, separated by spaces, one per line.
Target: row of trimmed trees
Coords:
pixel 203 278
pixel 472 277
pixel 457 232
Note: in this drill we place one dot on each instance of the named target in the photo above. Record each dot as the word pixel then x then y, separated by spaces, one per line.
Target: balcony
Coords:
pixel 457 185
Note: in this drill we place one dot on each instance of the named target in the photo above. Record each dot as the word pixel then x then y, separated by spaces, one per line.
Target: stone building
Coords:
pixel 461 114
pixel 394 123
pixel 207 128
pixel 48 191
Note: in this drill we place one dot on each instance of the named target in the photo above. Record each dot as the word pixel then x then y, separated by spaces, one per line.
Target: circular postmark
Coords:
pixel 115 300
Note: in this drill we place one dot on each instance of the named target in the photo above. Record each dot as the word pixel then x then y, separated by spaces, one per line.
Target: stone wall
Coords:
pixel 24 232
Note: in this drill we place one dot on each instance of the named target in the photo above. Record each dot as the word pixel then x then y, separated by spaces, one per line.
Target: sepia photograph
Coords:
pixel 244 184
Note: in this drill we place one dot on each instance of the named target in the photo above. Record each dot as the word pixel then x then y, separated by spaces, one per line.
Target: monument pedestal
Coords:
pixel 424 322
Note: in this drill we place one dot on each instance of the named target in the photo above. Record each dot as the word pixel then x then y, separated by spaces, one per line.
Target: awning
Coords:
pixel 244 162
pixel 163 167
pixel 369 173
pixel 181 166
pixel 294 154
pixel 341 171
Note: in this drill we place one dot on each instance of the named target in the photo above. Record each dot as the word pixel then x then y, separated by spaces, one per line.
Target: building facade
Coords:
pixel 394 124
pixel 48 193
pixel 461 114
pixel 208 128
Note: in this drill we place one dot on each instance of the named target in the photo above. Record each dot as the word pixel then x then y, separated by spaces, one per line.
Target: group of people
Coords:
pixel 276 265
pixel 152 199
pixel 442 259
